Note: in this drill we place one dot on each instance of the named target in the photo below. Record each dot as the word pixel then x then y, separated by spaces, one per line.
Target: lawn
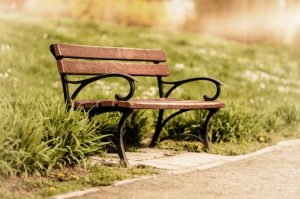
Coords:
pixel 261 92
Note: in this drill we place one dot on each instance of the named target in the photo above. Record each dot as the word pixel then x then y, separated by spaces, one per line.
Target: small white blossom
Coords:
pixel 179 66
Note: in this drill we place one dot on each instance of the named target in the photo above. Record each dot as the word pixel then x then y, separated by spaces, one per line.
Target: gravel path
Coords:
pixel 272 175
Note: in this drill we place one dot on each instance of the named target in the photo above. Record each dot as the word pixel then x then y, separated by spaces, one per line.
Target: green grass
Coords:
pixel 66 179
pixel 236 123
pixel 261 91
pixel 230 148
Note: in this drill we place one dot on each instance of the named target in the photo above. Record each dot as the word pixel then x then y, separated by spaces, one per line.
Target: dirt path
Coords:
pixel 272 175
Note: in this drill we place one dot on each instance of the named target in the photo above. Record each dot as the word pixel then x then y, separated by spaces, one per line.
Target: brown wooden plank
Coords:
pixel 75 67
pixel 93 103
pixel 108 53
pixel 170 104
pixel 161 103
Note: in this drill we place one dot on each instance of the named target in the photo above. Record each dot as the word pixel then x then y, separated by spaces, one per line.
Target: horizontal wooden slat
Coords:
pixel 165 103
pixel 161 103
pixel 93 103
pixel 108 53
pixel 75 67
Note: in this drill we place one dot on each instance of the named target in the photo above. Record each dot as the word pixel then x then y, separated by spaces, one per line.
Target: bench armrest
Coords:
pixel 206 97
pixel 118 97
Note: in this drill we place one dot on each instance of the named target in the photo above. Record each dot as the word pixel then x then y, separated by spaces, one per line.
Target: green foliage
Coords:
pixel 136 128
pixel 289 113
pixel 107 122
pixel 47 136
pixel 226 148
pixel 181 146
pixel 72 133
pixel 21 147
pixel 235 123
pixel 70 179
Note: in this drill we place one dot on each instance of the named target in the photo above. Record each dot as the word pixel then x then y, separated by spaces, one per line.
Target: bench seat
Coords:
pixel 161 103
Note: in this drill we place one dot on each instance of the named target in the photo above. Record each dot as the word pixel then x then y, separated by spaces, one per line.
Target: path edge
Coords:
pixel 196 168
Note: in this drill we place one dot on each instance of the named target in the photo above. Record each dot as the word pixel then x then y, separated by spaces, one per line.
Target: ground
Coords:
pixel 274 174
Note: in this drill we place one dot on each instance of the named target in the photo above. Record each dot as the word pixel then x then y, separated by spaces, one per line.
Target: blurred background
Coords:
pixel 249 21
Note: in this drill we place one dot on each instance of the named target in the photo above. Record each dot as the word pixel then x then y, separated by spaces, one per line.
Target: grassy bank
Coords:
pixel 261 91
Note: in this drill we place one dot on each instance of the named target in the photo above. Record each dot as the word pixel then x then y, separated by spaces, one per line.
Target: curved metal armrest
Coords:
pixel 118 97
pixel 206 97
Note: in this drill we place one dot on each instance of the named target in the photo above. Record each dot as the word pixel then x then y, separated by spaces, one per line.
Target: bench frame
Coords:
pixel 128 111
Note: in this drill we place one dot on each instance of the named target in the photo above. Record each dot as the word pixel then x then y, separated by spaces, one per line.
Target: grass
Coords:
pixel 236 123
pixel 47 136
pixel 261 92
pixel 240 147
pixel 228 149
pixel 66 179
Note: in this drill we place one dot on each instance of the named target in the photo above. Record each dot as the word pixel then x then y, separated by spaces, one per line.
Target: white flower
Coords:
pixel 179 66
pixel 55 84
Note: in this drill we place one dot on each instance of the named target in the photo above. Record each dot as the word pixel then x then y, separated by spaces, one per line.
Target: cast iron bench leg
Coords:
pixel 121 150
pixel 158 127
pixel 206 123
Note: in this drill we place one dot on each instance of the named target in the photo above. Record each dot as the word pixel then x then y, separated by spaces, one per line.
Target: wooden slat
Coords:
pixel 93 103
pixel 170 104
pixel 108 53
pixel 161 103
pixel 74 67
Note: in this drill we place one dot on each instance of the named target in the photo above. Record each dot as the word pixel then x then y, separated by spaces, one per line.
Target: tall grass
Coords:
pixel 235 123
pixel 47 136
pixel 136 128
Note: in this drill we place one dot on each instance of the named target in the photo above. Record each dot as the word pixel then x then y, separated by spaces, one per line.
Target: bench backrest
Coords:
pixel 80 67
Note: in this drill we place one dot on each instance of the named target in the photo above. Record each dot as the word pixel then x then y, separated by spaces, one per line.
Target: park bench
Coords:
pixel 126 105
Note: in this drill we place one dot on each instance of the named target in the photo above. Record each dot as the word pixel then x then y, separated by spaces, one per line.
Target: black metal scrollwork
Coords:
pixel 206 97
pixel 118 97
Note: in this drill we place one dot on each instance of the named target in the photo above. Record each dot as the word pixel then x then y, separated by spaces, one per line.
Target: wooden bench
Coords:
pixel 126 70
